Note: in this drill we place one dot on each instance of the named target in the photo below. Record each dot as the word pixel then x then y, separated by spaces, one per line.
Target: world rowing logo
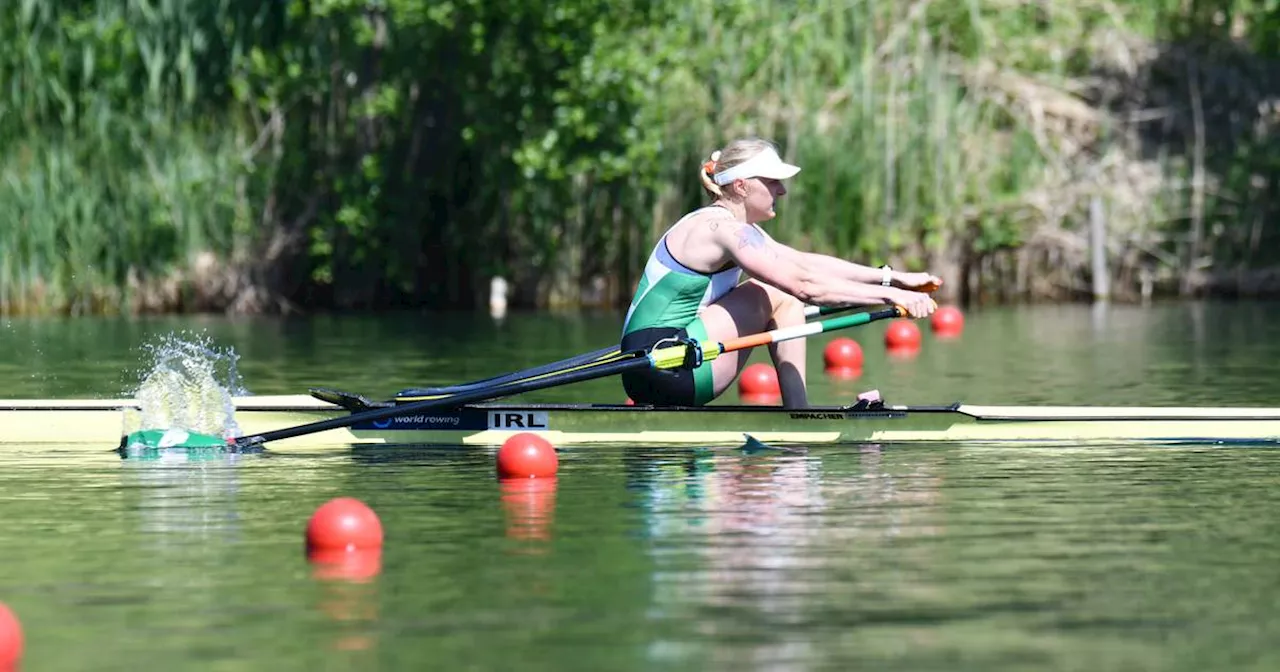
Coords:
pixel 418 422
pixel 426 422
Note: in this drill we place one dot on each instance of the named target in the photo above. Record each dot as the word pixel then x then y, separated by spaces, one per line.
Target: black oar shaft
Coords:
pixel 553 367
pixel 637 360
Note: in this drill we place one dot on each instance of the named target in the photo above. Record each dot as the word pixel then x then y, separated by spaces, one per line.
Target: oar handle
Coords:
pixel 674 356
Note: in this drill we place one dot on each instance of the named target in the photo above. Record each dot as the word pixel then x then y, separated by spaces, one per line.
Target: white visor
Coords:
pixel 765 164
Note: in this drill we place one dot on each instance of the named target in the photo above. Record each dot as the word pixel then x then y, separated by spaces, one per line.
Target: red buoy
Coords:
pixel 527 455
pixel 902 335
pixel 759 379
pixel 842 356
pixel 947 321
pixel 11 640
pixel 344 523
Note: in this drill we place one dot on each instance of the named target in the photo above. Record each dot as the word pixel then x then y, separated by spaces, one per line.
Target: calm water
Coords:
pixel 945 557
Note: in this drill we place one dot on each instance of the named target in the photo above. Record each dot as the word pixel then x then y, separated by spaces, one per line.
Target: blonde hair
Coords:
pixel 734 153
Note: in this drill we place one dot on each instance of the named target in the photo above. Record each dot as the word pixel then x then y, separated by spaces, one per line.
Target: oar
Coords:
pixel 669 357
pixel 359 403
pixel 588 359
pixel 585 359
pixel 815 311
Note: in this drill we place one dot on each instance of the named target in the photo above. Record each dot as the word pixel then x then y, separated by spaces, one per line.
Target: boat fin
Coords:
pixel 753 445
pixel 349 400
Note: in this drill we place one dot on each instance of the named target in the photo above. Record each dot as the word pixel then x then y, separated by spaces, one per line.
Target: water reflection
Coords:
pixel 354 566
pixel 529 506
pixel 759 545
pixel 348 596
pixel 185 501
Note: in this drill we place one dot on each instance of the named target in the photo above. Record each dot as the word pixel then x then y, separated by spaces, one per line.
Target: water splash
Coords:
pixel 189 384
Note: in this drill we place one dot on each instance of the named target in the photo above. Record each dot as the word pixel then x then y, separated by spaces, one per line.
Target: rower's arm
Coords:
pixel 845 269
pixel 789 270
pixel 923 282
pixel 854 272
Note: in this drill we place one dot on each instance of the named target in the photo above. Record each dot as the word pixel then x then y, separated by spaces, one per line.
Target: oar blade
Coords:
pixel 150 440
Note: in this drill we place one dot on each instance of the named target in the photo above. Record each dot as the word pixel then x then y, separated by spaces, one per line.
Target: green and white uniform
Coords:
pixel 666 305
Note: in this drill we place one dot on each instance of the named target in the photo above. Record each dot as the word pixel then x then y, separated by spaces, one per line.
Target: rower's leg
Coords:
pixel 789 356
pixel 751 308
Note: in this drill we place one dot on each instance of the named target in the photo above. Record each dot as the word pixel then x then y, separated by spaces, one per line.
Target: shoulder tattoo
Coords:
pixel 750 236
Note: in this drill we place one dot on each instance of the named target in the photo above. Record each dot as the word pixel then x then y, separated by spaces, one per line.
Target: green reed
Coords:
pixel 98 225
pixel 113 172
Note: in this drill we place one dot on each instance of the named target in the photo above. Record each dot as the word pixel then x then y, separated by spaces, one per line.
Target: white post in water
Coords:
pixel 1098 249
pixel 498 297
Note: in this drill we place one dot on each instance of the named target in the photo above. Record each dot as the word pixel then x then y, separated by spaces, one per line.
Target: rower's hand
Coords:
pixel 921 282
pixel 917 304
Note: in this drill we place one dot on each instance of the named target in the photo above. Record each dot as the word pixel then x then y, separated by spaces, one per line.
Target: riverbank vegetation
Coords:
pixel 348 154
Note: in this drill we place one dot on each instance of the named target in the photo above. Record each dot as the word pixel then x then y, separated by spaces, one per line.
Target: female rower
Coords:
pixel 690 287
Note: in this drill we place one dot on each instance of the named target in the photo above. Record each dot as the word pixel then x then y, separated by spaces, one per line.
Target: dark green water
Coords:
pixel 945 557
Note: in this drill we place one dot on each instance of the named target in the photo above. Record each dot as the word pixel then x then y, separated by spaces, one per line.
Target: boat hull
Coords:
pixel 102 423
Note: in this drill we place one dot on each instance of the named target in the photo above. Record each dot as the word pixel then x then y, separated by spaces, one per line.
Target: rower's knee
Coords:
pixel 787 310
pixel 792 307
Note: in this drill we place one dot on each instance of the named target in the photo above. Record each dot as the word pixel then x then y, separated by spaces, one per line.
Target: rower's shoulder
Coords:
pixel 714 223
pixel 701 223
pixel 709 215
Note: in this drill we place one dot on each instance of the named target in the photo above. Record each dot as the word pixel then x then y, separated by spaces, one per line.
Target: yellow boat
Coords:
pixel 102 423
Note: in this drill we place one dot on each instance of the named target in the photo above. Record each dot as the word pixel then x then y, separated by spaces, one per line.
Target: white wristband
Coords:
pixel 887 278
